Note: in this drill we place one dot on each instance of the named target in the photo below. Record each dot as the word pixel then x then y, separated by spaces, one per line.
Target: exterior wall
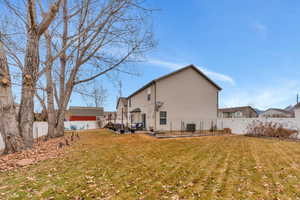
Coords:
pixel 146 106
pixel 120 113
pixel 242 113
pixel 186 97
pixel 108 117
pixel 297 113
pixel 81 125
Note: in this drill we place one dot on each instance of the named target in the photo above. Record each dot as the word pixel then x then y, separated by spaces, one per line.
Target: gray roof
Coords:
pixel 297 106
pixel 279 110
pixel 85 111
pixel 235 109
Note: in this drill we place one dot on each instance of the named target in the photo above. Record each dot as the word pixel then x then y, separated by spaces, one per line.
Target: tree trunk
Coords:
pixel 64 100
pixel 59 129
pixel 8 123
pixel 60 126
pixel 51 113
pixel 26 112
pixel 50 89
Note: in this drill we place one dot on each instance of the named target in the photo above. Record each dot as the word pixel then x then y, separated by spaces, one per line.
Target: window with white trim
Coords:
pixel 162 117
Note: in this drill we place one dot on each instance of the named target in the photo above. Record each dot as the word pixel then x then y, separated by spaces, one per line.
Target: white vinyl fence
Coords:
pixel 41 128
pixel 237 125
pixel 240 125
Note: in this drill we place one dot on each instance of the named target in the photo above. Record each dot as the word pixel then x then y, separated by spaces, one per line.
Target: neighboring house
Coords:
pixel 77 113
pixel 296 110
pixel 238 112
pixel 109 117
pixel 122 111
pixel 184 96
pixel 277 113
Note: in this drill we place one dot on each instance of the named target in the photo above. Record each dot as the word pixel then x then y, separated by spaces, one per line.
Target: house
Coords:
pixel 296 110
pixel 174 100
pixel 238 112
pixel 77 113
pixel 277 113
pixel 122 111
pixel 109 117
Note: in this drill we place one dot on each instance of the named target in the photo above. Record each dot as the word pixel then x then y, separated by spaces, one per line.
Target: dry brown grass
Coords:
pixel 107 166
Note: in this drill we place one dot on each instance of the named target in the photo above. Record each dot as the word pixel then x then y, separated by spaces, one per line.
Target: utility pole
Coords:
pixel 120 89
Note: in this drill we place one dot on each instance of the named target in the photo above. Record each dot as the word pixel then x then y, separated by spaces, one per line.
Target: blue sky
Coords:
pixel 251 48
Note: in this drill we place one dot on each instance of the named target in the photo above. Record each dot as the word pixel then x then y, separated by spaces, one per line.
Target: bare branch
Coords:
pixel 48 17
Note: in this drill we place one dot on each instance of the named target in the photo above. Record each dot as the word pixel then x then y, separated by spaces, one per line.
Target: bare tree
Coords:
pixel 93 38
pixel 96 96
pixel 30 68
pixel 99 96
pixel 8 123
pixel 84 40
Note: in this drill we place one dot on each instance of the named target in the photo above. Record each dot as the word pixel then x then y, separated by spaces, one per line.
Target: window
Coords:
pixel 238 114
pixel 129 102
pixel 162 117
pixel 149 94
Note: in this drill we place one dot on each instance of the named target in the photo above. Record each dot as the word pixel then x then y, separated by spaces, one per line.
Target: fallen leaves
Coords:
pixel 41 150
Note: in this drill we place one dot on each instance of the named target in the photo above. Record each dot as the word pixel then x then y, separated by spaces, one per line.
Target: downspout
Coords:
pixel 218 104
pixel 154 105
pixel 122 119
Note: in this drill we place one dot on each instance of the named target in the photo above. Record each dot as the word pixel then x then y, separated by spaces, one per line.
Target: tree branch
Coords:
pixel 43 26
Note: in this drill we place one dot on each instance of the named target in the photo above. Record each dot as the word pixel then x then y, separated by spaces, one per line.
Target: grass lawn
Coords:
pixel 107 166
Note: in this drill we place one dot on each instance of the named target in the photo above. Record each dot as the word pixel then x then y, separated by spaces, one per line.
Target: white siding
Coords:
pixel 187 97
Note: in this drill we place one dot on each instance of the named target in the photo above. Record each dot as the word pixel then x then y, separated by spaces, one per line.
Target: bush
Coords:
pixel 227 130
pixel 269 129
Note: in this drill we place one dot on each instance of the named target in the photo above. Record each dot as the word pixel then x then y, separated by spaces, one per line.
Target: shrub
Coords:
pixel 269 129
pixel 227 130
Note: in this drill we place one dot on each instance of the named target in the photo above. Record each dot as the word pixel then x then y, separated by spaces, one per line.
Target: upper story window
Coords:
pixel 129 102
pixel 148 97
pixel 149 94
pixel 162 117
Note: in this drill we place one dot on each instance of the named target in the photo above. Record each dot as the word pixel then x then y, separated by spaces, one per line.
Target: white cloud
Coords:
pixel 280 94
pixel 263 97
pixel 260 28
pixel 173 66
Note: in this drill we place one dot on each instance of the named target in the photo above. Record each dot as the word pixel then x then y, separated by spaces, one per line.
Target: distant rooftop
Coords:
pixel 86 111
pixel 234 109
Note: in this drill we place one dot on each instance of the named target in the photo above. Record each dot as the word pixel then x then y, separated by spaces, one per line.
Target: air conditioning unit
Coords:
pixel 191 127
